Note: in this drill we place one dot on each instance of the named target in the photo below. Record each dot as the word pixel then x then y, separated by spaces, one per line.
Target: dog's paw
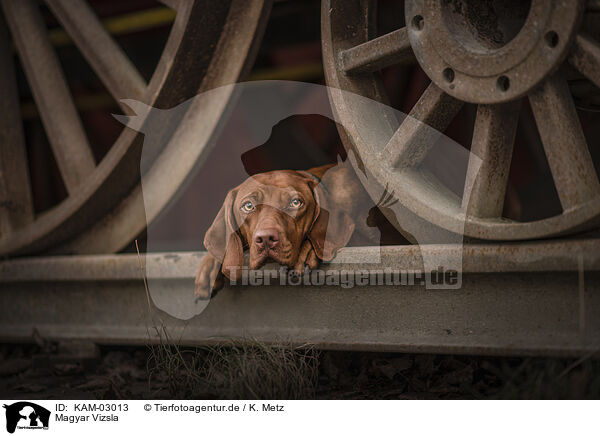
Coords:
pixel 293 275
pixel 208 278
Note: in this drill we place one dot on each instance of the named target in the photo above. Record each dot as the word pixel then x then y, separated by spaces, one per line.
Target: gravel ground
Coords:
pixel 48 372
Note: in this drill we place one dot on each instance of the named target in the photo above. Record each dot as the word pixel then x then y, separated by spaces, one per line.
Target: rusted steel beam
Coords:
pixel 536 256
pixel 515 299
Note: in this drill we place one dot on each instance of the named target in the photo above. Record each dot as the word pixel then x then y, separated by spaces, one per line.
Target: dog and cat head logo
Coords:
pixel 26 415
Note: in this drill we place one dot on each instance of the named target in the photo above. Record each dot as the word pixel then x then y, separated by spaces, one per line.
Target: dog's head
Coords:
pixel 272 214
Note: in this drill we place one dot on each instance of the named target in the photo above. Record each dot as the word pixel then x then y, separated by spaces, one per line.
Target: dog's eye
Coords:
pixel 247 206
pixel 296 203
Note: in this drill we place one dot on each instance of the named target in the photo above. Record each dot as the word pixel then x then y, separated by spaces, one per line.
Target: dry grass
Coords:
pixel 257 371
pixel 235 370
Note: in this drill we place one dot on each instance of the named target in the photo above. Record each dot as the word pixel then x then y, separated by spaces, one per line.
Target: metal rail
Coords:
pixel 511 302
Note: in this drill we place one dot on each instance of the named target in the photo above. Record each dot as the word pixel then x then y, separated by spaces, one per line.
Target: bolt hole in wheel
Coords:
pixel 482 73
pixel 418 22
pixel 551 39
pixel 503 83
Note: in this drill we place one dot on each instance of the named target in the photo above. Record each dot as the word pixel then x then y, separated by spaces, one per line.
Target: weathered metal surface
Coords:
pixel 586 58
pixel 564 143
pixel 376 54
pixel 491 52
pixel 106 211
pixel 114 68
pixel 539 256
pixel 50 90
pixel 442 36
pixel 415 136
pixel 537 305
pixel 16 206
pixel 493 138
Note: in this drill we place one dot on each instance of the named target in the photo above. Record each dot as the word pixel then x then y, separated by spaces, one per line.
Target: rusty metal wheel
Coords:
pixel 211 44
pixel 491 54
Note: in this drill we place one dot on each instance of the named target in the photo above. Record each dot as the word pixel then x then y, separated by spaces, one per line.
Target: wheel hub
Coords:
pixel 490 51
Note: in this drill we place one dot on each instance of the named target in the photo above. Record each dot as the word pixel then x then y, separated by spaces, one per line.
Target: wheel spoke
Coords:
pixel 493 138
pixel 390 49
pixel 420 129
pixel 61 121
pixel 16 208
pixel 564 143
pixel 107 59
pixel 586 58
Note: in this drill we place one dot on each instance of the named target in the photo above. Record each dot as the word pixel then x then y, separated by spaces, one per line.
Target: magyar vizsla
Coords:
pixel 294 218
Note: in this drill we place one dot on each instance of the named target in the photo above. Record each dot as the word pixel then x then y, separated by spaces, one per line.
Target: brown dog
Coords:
pixel 295 218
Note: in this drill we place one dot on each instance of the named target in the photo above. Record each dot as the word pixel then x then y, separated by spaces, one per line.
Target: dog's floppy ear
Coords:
pixel 222 240
pixel 331 227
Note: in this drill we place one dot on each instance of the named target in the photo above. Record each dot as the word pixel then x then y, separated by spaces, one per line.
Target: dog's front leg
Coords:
pixel 209 278
pixel 306 257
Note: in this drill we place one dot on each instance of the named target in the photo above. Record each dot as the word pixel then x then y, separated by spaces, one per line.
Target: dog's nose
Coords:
pixel 266 238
